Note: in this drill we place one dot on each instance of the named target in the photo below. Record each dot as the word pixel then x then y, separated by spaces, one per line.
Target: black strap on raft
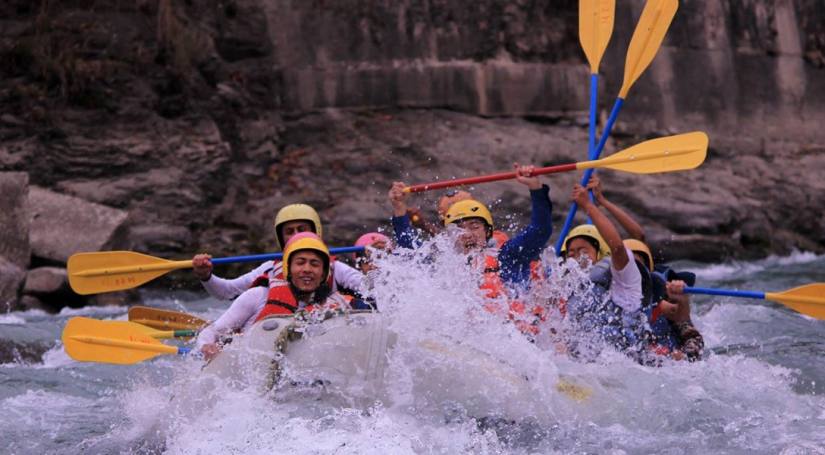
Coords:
pixel 290 308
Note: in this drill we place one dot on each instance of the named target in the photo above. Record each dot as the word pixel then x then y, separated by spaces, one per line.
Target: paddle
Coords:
pixel 666 154
pixel 808 300
pixel 118 342
pixel 107 271
pixel 165 319
pixel 595 28
pixel 647 38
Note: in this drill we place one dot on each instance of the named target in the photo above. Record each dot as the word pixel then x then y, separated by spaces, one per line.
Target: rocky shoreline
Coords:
pixel 172 128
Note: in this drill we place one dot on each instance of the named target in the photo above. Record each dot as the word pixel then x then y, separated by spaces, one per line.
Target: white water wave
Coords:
pixel 726 403
pixel 743 269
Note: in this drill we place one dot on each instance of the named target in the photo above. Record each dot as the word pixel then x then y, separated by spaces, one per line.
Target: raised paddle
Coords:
pixel 595 28
pixel 808 300
pixel 666 154
pixel 118 342
pixel 108 271
pixel 647 38
pixel 165 319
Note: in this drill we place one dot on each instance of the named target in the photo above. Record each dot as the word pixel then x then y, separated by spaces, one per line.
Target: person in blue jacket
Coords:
pixel 504 267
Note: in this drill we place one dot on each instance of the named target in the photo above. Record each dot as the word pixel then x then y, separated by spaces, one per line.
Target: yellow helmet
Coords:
pixel 638 246
pixel 297 212
pixel 468 208
pixel 589 231
pixel 306 241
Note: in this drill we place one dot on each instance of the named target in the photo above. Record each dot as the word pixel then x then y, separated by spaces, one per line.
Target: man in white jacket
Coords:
pixel 307 265
pixel 290 220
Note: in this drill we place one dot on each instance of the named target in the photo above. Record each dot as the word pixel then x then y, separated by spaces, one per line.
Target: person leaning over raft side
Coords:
pixel 618 319
pixel 307 266
pixel 290 220
pixel 501 269
pixel 671 330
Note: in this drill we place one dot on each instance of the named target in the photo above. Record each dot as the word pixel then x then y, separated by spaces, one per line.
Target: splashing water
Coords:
pixel 759 391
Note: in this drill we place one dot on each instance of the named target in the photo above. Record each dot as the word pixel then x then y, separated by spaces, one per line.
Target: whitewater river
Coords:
pixel 760 390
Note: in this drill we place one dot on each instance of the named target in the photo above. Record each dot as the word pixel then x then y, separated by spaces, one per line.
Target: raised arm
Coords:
pixel 405 236
pixel 633 228
pixel 517 253
pixel 605 226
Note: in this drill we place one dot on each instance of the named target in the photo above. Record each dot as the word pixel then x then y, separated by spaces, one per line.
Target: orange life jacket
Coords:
pixel 516 310
pixel 281 301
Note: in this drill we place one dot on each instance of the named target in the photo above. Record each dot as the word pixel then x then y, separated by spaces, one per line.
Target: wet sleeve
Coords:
pixel 347 277
pixel 626 286
pixel 405 235
pixel 517 253
pixel 242 310
pixel 226 289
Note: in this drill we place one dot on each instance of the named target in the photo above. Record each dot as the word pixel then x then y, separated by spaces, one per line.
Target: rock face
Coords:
pixel 11 280
pixel 14 218
pixel 62 225
pixel 198 120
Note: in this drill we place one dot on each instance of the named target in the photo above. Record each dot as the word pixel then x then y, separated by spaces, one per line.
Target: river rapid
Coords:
pixel 761 388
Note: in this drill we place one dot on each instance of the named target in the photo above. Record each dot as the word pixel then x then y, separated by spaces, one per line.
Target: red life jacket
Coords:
pixel 282 302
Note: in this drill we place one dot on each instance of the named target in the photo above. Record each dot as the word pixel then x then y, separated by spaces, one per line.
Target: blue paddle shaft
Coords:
pixel 594 106
pixel 726 292
pixel 183 350
pixel 586 178
pixel 273 256
pixel 594 93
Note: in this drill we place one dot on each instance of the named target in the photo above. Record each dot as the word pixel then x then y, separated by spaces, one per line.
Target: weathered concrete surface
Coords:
pixel 62 225
pixel 14 218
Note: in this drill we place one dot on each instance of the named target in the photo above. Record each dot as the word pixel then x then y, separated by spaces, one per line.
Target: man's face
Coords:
pixel 473 235
pixel 290 228
pixel 306 270
pixel 580 249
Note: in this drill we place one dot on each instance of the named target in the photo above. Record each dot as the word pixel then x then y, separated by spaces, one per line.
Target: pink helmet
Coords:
pixel 370 238
pixel 303 235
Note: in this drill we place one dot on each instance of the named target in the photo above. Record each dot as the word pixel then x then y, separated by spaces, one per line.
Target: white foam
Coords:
pixel 93 311
pixel 11 319
pixel 740 269
pixel 726 403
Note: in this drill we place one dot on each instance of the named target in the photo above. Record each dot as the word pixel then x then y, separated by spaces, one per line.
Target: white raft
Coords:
pixel 358 359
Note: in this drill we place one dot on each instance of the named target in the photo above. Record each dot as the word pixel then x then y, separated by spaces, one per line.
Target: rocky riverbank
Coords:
pixel 177 127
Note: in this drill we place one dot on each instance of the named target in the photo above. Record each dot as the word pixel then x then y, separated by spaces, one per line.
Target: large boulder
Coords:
pixel 50 286
pixel 62 225
pixel 11 279
pixel 14 219
pixel 45 280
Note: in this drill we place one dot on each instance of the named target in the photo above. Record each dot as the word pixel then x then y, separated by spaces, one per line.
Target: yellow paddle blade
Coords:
pixel 646 40
pixel 573 391
pixel 665 154
pixel 595 28
pixel 165 319
pixel 808 299
pixel 90 340
pixel 108 271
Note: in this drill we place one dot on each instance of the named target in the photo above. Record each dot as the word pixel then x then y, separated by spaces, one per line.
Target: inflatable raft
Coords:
pixel 356 358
